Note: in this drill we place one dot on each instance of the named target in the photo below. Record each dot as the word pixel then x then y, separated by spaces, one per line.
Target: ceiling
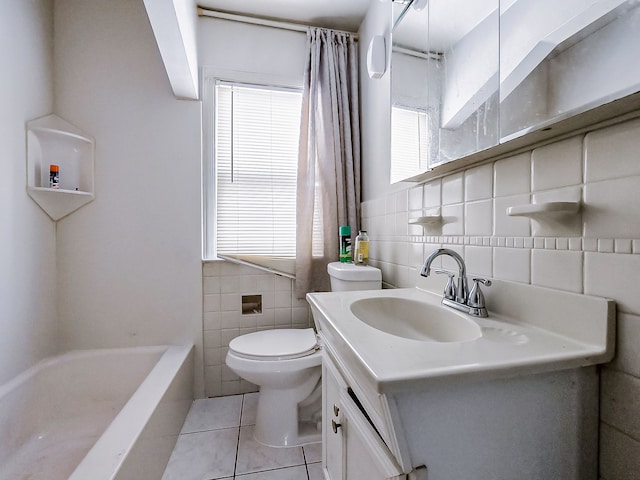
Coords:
pixel 335 14
pixel 458 17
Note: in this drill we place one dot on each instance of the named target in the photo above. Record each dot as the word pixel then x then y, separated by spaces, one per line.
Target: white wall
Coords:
pixel 129 266
pixel 259 51
pixel 27 235
pixel 375 114
pixel 238 51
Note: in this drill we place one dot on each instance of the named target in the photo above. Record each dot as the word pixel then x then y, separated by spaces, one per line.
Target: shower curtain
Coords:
pixel 329 156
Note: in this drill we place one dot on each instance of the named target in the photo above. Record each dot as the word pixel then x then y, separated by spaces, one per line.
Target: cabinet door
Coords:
pixel 559 59
pixel 366 457
pixel 332 444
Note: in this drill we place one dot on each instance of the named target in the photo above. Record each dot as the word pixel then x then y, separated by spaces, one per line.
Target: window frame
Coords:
pixel 210 77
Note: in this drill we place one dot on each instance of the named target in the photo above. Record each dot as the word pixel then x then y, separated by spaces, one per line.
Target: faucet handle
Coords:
pixel 476 298
pixel 450 287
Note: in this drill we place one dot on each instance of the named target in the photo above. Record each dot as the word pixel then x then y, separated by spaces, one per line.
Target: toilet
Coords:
pixel 348 276
pixel 287 365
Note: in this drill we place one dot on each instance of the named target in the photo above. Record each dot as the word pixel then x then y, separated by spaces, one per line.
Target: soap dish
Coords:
pixel 426 220
pixel 543 209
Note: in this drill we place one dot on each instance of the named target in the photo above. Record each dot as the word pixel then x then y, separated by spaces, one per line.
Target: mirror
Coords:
pixel 570 58
pixel 467 75
pixel 410 141
pixel 444 82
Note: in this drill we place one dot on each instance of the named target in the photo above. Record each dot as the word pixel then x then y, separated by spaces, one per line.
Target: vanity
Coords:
pixel 414 389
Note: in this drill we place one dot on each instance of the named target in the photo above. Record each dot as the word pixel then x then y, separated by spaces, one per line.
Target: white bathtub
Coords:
pixel 95 414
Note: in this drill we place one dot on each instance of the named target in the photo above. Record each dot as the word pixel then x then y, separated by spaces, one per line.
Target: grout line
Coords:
pixel 304 457
pixel 235 463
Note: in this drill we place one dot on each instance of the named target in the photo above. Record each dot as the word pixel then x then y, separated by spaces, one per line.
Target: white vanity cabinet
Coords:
pixel 518 401
pixel 352 449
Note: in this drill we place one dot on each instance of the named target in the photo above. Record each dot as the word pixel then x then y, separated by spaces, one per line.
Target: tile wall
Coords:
pixel 224 284
pixel 596 251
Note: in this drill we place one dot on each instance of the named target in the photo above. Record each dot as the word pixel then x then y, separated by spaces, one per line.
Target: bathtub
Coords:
pixel 95 414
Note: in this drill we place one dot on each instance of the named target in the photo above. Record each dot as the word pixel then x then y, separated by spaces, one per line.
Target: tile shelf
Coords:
pixel 543 209
pixel 52 140
pixel 426 220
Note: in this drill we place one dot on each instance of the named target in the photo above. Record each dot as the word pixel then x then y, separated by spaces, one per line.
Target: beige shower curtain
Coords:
pixel 329 156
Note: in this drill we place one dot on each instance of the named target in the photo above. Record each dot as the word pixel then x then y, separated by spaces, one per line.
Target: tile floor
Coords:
pixel 216 442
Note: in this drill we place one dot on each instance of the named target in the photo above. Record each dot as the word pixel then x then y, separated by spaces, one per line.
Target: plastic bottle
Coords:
pixel 345 244
pixel 54 176
pixel 362 248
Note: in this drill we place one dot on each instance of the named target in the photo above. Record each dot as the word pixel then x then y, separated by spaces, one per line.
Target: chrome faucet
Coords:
pixel 458 296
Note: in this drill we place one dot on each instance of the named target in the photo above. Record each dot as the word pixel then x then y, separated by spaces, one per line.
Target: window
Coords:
pixel 255 136
pixel 409 142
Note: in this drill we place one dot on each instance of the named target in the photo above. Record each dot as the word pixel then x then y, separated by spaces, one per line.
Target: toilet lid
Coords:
pixel 279 344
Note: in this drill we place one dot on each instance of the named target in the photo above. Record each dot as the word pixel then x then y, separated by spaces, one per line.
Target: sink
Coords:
pixel 415 320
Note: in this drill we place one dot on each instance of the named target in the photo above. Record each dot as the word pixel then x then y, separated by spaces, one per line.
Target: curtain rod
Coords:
pixel 296 27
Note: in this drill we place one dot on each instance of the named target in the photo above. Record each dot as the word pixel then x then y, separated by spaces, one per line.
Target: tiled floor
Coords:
pixel 217 442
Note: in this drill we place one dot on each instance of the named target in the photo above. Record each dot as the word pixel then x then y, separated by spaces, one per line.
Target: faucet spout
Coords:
pixel 463 290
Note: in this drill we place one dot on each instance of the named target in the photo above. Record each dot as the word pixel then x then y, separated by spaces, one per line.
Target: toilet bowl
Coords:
pixel 286 365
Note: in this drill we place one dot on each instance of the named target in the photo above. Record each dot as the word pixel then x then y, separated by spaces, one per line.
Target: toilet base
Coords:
pixel 284 429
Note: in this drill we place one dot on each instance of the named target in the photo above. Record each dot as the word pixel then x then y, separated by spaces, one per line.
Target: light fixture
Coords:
pixel 377 57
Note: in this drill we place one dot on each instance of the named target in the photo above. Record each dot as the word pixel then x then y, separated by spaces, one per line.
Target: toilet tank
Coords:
pixel 348 276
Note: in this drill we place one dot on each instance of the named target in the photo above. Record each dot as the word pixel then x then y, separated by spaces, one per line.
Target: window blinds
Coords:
pixel 409 142
pixel 256 154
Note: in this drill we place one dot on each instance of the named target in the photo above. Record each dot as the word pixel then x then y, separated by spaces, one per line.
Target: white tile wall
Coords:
pixel 512 264
pixel 627 341
pixel 614 276
pixel 557 165
pixel 512 176
pixel 478 183
pixel 612 152
pixel 415 198
pixel 479 261
pixel 568 225
pixel 612 208
pixel 478 218
pixel 432 194
pixel 453 219
pixel 511 226
pixel 596 252
pixel 224 284
pixel 453 189
pixel 557 269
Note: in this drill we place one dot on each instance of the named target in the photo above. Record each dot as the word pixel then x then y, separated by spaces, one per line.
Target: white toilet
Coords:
pixel 286 365
pixel 348 276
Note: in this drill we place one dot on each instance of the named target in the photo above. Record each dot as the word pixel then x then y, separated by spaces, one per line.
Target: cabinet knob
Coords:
pixel 336 409
pixel 335 426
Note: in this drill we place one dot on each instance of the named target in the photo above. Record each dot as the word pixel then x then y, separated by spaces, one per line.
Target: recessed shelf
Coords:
pixel 52 140
pixel 543 209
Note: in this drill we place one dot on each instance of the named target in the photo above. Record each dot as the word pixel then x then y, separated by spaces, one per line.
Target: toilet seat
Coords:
pixel 273 345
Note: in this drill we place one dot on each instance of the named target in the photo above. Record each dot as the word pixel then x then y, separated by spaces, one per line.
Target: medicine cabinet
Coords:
pixel 486 77
pixel 574 55
pixel 53 141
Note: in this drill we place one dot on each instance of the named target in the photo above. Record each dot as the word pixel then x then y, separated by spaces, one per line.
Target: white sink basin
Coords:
pixel 401 338
pixel 415 320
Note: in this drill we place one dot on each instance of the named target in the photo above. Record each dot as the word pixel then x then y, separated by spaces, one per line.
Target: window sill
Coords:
pixel 283 266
